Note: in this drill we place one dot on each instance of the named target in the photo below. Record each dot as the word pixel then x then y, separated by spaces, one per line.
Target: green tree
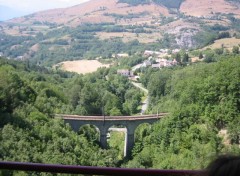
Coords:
pixel 132 101
pixel 185 57
pixel 235 50
pixel 209 57
pixel 178 57
pixel 111 104
pixel 218 51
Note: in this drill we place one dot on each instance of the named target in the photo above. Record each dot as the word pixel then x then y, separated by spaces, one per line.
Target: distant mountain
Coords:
pixel 96 11
pixel 7 13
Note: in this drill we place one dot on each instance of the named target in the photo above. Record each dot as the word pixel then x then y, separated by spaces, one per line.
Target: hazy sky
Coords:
pixel 38 5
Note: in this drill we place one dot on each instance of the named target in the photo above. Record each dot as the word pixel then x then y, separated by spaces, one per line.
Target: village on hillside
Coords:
pixel 154 59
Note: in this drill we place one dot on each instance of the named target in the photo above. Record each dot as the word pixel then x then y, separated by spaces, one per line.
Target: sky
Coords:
pixel 38 5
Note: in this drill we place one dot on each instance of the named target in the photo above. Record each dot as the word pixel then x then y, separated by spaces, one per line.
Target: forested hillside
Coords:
pixel 53 91
pixel 31 95
pixel 203 99
pixel 81 42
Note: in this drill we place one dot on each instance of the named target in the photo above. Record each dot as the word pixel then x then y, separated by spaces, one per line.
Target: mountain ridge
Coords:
pixel 95 11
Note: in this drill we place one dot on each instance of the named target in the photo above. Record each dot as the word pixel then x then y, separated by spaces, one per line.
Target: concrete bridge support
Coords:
pixel 129 144
pixel 103 137
pixel 103 141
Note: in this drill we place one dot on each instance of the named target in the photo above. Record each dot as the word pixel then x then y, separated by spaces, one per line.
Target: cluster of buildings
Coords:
pixel 156 59
pixel 160 53
pixel 159 63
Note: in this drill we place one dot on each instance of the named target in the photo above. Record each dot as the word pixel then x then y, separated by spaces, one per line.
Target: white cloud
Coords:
pixel 37 5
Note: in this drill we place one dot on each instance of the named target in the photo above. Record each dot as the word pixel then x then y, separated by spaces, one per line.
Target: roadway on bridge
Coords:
pixel 111 118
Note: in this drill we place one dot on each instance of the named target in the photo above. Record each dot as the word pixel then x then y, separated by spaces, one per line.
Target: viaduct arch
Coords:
pixel 103 123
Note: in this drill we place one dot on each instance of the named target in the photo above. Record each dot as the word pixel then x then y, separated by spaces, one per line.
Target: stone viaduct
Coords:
pixel 103 123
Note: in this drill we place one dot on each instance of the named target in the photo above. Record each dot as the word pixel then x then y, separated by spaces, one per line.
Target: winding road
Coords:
pixel 140 86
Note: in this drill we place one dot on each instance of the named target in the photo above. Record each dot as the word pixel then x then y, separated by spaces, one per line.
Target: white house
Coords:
pixel 121 55
pixel 125 72
pixel 150 53
pixel 19 58
pixel 156 65
pixel 165 51
pixel 175 51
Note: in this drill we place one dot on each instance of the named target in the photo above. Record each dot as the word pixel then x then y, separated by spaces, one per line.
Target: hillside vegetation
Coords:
pixel 82 42
pixel 54 92
pixel 29 98
pixel 31 95
pixel 202 99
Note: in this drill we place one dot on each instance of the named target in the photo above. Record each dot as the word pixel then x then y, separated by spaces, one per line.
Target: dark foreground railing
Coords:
pixel 52 168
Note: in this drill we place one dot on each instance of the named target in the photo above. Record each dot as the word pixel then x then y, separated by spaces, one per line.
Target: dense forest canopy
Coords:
pixel 58 92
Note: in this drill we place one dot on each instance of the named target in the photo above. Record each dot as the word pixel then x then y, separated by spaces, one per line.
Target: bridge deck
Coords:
pixel 110 118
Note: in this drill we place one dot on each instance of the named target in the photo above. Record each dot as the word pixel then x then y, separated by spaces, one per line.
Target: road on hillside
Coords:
pixel 145 102
pixel 136 67
pixel 140 86
pixel 144 105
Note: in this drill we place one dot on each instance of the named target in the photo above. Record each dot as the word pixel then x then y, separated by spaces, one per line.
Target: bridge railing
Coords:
pixel 68 169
